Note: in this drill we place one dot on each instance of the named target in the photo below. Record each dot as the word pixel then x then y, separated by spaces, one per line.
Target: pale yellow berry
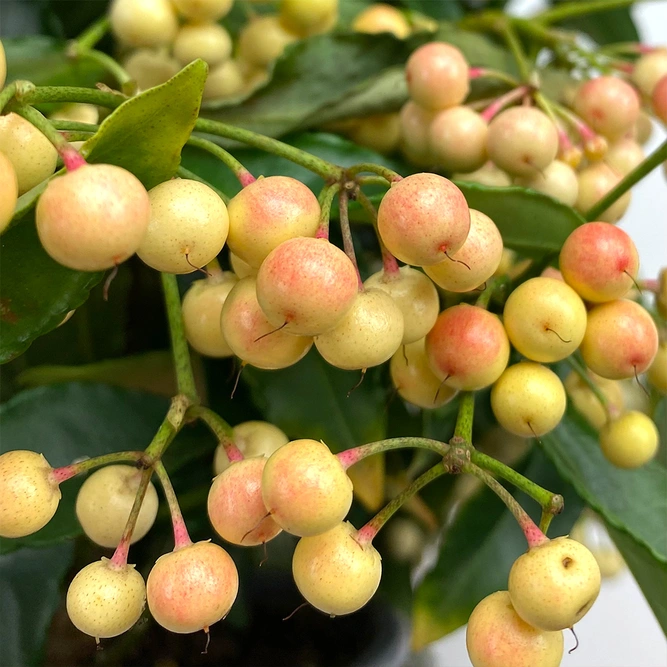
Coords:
pixel 203 10
pixel 253 438
pixel 657 372
pixel 558 180
pixel 457 137
pixel 208 41
pixel 630 441
pixel 488 174
pixel 308 17
pixel 263 40
pixel 224 81
pixel 649 69
pixel 624 155
pixel 3 66
pixel 587 403
pixel 379 132
pixel 9 191
pixel 595 181
pixel 149 67
pixel 79 113
pixel 379 18
pixel 415 123
pixel 143 22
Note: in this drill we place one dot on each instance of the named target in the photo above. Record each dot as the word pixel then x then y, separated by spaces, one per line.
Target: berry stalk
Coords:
pixel 67 472
pixel 351 456
pixel 389 262
pixel 242 174
pixel 387 174
pixel 220 428
pixel 6 95
pixel 93 33
pixel 464 419
pixel 63 94
pixel 169 428
pixel 346 232
pixel 573 9
pixel 503 101
pixel 181 535
pixel 577 365
pixel 127 83
pixel 325 199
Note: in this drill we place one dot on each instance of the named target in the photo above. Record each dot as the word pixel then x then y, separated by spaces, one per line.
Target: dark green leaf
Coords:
pixel 146 134
pixel 35 291
pixel 477 552
pixel 613 25
pixel 29 595
pixel 439 9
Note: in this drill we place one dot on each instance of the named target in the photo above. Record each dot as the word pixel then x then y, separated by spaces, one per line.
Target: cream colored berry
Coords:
pixel 202 309
pixel 241 268
pixel 487 174
pixel 657 372
pixel 649 69
pixel 105 500
pixel 78 113
pixel 29 496
pixel 379 18
pixel 104 599
pixel 31 153
pixel 457 138
pixel 188 227
pixel 208 41
pixel 587 403
pixel 624 155
pixel 558 180
pixel 595 181
pixel 379 132
pixel 3 66
pixel 263 40
pixel 308 17
pixel 630 441
pixel 414 127
pixel 139 23
pixel 9 191
pixel 225 81
pixel 253 438
pixel 203 10
pixel 554 585
pixel 335 572
pixel 150 67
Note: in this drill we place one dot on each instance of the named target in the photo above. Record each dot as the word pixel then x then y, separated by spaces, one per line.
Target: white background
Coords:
pixel 620 630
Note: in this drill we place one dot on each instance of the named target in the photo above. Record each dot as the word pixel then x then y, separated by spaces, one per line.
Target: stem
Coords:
pixel 503 101
pixel 485 73
pixel 323 168
pixel 181 535
pixel 182 172
pixel 170 426
pixel 58 94
pixel 572 9
pixel 6 95
pixel 389 263
pixel 325 200
pixel 577 365
pixel 346 232
pixel 387 174
pixel 464 419
pixel 351 456
pixel 59 475
pixel 127 83
pixel 363 181
pixel 367 533
pixel 649 164
pixel 93 33
pixel 179 344
pixel 242 174
pixel 509 34
pixel 119 557
pixel 534 535
pixel 220 428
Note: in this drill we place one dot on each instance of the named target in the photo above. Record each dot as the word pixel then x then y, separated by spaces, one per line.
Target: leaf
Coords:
pixel 439 9
pixel 29 596
pixel 35 291
pixel 476 554
pixel 146 134
pixel 607 27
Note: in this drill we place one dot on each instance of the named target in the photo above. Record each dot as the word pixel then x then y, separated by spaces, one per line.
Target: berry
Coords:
pixel 558 180
pixel 253 438
pixel 224 81
pixel 553 585
pixel 405 540
pixel 252 337
pixel 268 212
pixel 422 218
pixel 414 380
pixel 475 262
pixel 497 637
pixel 621 340
pixel 143 22
pixel 31 153
pixel 624 155
pixel 657 372
pixel 488 174
pixel 93 218
pixel 522 141
pixel 591 532
pixel 379 132
pixel 3 66
pixel 188 226
pixel 467 347
pixel 336 573
pixel 379 18
pixel 649 69
pixel 9 191
pixel 643 128
pixel 235 506
pixel 78 113
pixel 414 294
pixel 587 403
pixel 609 105
pixel 368 335
pixel 29 496
pixel 308 17
pixel 104 599
pixel 545 319
pixel 104 502
pixel 262 40
pixel 630 441
pixel 150 68
pixel 595 181
pixel 202 309
pixel 659 99
pixel 203 10
pixel 437 76
pixel 415 123
pixel 208 41
pixel 457 137
pixel 241 268
pixel 528 399
pixel 600 261
pixel 307 286
pixel 306 488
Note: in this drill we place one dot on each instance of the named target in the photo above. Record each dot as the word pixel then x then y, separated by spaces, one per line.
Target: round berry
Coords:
pixel 587 403
pixel 423 218
pixel 558 180
pixel 306 488
pixel 414 294
pixel 203 10
pixel 308 17
pixel 437 76
pixel 78 113
pixel 224 81
pixel 150 68
pixel 241 268
pixel 9 191
pixel 595 181
pixel 208 41
pixel 253 438
pixel 621 340
pixel 202 310
pixel 522 141
pixel 235 506
pixel 143 22
pixel 192 587
pixel 657 372
pixel 104 599
pixel 29 495
pixel 468 348
pixel 554 585
pixel 475 262
pixel 379 132
pixel 252 337
pixel 368 335
pixel 487 174
pixel 630 441
pixel 262 40
pixel 609 105
pixel 624 155
pixel 414 128
pixel 659 99
pixel 643 128
pixel 497 637
pixel 379 18
pixel 268 212
pixel 528 400
pixel 649 69
pixel 457 138
pixel 3 66
pixel 31 153
pixel 335 572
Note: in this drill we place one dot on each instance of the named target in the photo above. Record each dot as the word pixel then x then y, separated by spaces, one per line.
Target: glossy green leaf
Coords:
pixel 30 582
pixel 613 25
pixel 146 134
pixel 477 552
pixel 35 291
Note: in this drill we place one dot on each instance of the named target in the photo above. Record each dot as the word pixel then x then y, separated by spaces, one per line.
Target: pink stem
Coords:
pixel 245 177
pixel 504 101
pixel 71 157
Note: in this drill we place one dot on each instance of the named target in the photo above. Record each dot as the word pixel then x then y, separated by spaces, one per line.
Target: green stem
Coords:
pixel 127 83
pixel 64 473
pixel 93 33
pixel 364 181
pixel 384 172
pixel 220 429
pixel 325 200
pixel 582 8
pixel 346 232
pixel 577 365
pixel 182 172
pixel 534 536
pixel 511 38
pixel 62 94
pixel 552 38
pixel 648 165
pixel 389 263
pixel 242 174
pixel 327 170
pixel 181 536
pixel 6 95
pixel 464 419
pixel 351 456
pixel 169 428
pixel 179 344
pixel 367 533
